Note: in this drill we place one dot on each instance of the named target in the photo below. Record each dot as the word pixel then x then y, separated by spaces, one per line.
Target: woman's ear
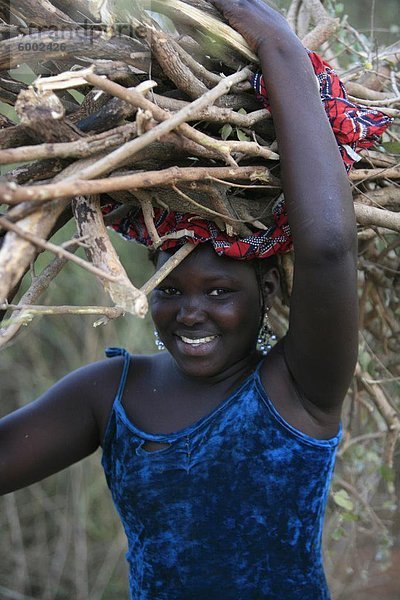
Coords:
pixel 271 283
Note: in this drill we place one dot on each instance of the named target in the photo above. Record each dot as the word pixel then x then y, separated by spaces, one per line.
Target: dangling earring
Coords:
pixel 158 342
pixel 266 335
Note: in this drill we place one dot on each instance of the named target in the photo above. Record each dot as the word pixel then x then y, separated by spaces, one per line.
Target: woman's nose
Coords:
pixel 190 313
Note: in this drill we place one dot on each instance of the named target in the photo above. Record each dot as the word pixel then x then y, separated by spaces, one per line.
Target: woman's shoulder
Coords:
pixel 112 364
pixel 101 381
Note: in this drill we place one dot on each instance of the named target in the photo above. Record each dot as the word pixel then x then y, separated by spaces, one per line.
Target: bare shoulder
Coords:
pixel 60 427
pixel 291 403
pixel 97 383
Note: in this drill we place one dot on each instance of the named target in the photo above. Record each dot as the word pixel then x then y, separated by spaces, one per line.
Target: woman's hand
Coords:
pixel 254 19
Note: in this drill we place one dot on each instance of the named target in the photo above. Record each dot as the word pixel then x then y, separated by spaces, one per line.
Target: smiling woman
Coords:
pixel 219 458
pixel 208 312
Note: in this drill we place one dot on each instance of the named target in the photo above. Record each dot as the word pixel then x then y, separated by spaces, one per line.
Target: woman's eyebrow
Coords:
pixel 209 278
pixel 223 278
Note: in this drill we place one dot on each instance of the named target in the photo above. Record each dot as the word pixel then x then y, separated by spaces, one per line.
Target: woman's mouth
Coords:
pixel 197 346
pixel 197 341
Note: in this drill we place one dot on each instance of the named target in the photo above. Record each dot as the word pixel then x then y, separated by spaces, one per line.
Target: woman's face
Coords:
pixel 208 312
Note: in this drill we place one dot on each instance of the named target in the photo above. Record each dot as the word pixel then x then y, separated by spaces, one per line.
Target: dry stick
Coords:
pixel 17 545
pixel 317 10
pixel 148 215
pixel 202 19
pixel 292 13
pixel 251 149
pixel 41 14
pixel 17 254
pixel 56 45
pixel 32 310
pixel 103 141
pixel 137 100
pixel 120 155
pixel 11 193
pixel 376 521
pixel 79 149
pixel 102 254
pixel 381 103
pixel 167 267
pixel 180 67
pixel 57 250
pixel 189 147
pixel 385 197
pixel 320 34
pixel 359 440
pixel 207 77
pixel 215 114
pixel 361 175
pixel 360 91
pixel 360 39
pixel 370 216
pixel 376 300
pixel 12 272
pixel 167 55
pixel 132 96
pixel 38 286
pixel 378 159
pixel 325 25
pixel 228 219
pixel 390 415
pixel 303 20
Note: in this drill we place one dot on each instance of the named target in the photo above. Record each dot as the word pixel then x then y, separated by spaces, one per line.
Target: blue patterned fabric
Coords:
pixel 232 509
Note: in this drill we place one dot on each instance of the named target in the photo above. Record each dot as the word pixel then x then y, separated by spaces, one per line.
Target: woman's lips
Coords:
pixel 198 340
pixel 197 346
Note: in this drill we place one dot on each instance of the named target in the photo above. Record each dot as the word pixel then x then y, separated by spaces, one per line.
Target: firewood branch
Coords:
pixel 103 256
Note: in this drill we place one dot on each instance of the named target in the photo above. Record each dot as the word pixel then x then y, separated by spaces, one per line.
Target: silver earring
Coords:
pixel 265 336
pixel 158 342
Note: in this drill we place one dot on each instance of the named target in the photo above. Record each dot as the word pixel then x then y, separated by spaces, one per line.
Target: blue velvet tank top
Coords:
pixel 232 509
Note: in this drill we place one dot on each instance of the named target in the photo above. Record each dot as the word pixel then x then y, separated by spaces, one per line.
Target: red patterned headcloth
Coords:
pixel 354 127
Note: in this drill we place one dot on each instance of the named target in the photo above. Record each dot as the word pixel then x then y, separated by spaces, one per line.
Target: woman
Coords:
pixel 219 460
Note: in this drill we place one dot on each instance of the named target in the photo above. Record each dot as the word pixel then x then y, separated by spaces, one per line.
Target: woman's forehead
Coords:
pixel 204 259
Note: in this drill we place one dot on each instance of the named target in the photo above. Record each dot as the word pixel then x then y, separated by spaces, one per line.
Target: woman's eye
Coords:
pixel 218 292
pixel 169 291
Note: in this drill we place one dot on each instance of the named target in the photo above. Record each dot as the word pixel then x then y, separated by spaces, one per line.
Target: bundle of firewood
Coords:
pixel 149 104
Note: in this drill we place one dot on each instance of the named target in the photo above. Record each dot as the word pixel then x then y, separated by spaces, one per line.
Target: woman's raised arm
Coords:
pixel 321 345
pixel 59 428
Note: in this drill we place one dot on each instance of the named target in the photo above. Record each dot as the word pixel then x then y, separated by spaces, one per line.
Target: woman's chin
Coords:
pixel 207 360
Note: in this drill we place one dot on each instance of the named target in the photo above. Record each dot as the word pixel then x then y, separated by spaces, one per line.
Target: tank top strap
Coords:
pixel 110 353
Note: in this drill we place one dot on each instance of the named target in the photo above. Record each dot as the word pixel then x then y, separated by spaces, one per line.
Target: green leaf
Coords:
pixel 77 95
pixel 338 534
pixel 242 136
pixel 392 147
pixel 350 517
pixel 365 360
pixel 342 499
pixel 226 131
pixel 242 111
pixel 387 473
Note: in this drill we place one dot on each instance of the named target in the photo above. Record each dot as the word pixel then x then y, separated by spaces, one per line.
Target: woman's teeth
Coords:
pixel 198 341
